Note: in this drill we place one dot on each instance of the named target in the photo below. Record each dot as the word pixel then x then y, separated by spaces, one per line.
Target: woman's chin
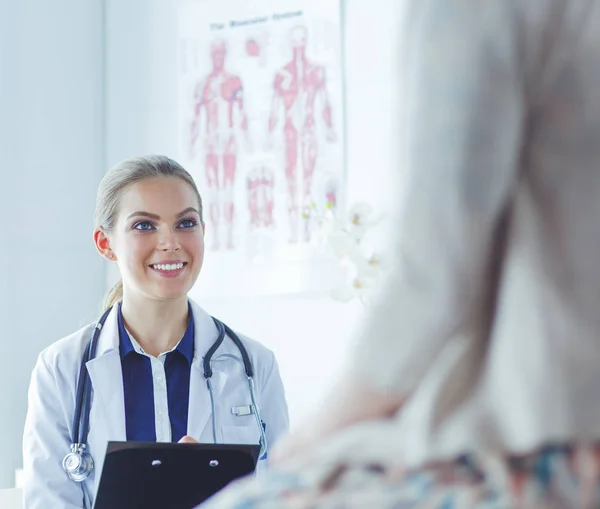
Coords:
pixel 173 292
pixel 169 289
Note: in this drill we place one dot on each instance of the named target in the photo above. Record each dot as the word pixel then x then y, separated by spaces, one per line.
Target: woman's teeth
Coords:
pixel 167 266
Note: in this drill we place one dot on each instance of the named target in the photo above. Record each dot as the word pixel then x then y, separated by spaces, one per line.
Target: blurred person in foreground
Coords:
pixel 475 379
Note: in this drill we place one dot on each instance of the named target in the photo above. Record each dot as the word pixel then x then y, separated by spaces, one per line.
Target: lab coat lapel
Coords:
pixel 107 379
pixel 200 408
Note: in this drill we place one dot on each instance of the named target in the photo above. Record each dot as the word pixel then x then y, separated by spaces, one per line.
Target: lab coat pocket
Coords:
pixel 240 435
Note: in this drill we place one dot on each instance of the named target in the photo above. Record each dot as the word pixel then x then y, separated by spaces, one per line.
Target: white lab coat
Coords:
pixel 48 426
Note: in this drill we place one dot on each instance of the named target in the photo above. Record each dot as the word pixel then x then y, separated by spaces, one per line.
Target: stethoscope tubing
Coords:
pixel 81 418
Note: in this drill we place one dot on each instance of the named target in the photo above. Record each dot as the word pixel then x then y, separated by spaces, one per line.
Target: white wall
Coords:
pixel 307 332
pixel 51 142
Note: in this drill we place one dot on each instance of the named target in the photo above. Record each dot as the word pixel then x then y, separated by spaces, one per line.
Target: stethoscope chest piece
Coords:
pixel 78 464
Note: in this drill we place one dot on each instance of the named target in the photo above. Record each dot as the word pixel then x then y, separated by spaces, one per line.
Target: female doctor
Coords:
pixel 149 378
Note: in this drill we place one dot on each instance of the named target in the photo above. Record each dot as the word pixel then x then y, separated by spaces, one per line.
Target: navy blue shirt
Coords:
pixel 138 386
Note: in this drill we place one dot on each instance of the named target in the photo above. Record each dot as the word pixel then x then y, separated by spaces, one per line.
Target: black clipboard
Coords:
pixel 150 475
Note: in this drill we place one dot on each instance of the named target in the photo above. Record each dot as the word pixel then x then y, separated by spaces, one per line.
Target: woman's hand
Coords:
pixel 188 440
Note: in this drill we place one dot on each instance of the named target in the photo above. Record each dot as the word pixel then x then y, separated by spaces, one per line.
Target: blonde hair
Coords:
pixel 114 183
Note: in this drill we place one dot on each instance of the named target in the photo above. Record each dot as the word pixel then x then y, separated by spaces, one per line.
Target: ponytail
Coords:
pixel 114 295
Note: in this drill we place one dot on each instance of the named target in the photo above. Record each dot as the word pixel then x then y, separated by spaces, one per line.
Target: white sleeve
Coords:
pixel 273 405
pixel 465 107
pixel 46 441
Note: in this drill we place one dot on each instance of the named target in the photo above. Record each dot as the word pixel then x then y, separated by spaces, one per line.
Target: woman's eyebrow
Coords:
pixel 187 211
pixel 141 213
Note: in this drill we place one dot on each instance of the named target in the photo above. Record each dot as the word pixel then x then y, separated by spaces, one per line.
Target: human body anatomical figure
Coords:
pixel 297 87
pixel 220 94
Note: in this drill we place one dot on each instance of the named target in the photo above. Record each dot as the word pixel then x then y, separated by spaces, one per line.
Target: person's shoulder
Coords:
pixel 257 351
pixel 67 351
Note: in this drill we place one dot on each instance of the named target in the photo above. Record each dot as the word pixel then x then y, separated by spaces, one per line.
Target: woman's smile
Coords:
pixel 169 268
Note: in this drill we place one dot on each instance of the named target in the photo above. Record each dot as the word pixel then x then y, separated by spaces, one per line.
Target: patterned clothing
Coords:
pixel 557 477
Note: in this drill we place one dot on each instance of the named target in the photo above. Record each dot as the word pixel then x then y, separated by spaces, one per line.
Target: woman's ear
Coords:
pixel 102 243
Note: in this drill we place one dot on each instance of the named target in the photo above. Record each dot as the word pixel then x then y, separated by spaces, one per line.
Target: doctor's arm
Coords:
pixel 456 164
pixel 273 405
pixel 45 443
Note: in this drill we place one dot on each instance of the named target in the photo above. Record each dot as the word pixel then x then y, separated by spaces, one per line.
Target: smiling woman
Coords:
pixel 144 374
pixel 130 198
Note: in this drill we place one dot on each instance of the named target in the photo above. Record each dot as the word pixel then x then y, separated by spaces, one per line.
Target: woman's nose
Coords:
pixel 168 242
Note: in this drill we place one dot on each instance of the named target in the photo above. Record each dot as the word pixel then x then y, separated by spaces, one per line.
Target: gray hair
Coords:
pixel 115 182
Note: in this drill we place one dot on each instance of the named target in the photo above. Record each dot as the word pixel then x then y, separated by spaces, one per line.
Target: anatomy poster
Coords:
pixel 260 98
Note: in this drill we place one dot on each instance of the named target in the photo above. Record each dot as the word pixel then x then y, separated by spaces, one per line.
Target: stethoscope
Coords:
pixel 79 464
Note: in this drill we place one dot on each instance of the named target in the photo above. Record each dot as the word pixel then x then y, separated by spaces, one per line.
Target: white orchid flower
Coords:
pixel 343 293
pixel 378 262
pixel 359 213
pixel 363 283
pixel 343 244
pixel 367 266
pixel 327 226
pixel 360 219
pixel 344 239
pixel 359 286
pixel 368 271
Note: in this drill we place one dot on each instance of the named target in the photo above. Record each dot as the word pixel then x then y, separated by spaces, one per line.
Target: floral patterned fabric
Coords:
pixel 556 477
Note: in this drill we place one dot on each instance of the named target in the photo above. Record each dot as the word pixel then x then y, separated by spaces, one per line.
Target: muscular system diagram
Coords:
pixel 219 122
pixel 299 89
pixel 260 183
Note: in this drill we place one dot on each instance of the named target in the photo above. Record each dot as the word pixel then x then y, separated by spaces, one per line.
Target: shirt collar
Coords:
pixel 125 344
pixel 185 346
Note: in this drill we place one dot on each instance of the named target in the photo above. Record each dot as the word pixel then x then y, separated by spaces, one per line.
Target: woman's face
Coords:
pixel 158 238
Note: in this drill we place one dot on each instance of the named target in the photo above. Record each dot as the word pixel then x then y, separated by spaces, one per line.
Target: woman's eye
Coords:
pixel 187 223
pixel 143 226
